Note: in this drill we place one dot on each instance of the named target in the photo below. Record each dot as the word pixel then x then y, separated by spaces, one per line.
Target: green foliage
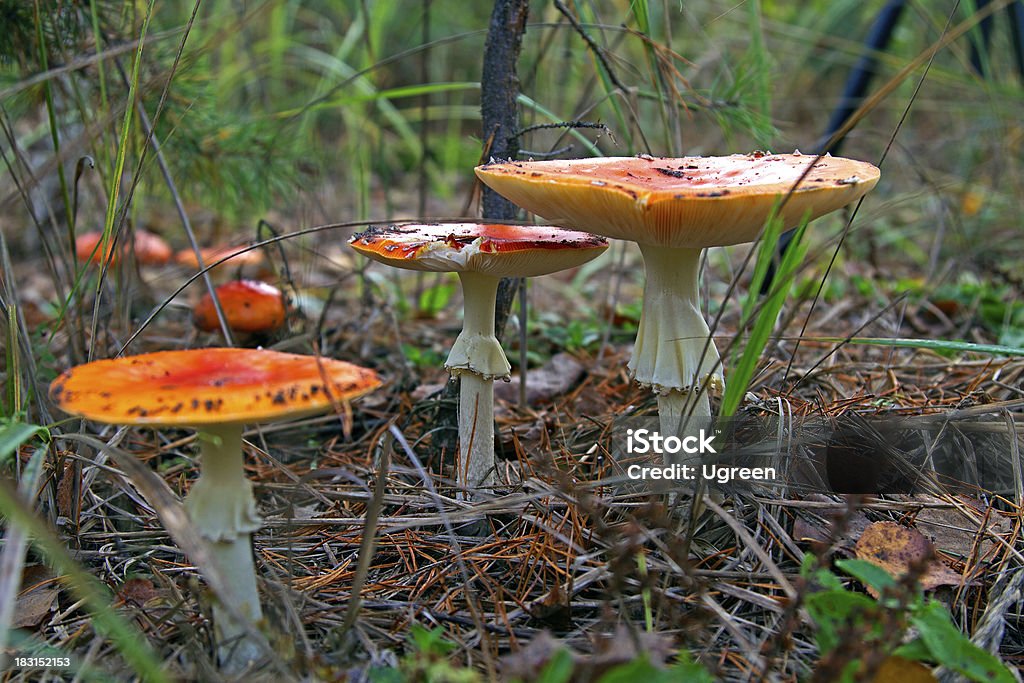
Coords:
pixel 999 308
pixel 949 647
pixel 641 669
pixel 435 298
pixel 733 108
pixel 430 642
pixel 54 27
pixel 239 162
pixel 558 669
pixel 575 334
pixel 426 661
pixel 422 358
pixel 561 667
pixel 841 616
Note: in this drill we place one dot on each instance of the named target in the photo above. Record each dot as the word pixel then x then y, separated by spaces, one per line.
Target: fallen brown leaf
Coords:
pixel 809 531
pixel 552 379
pixel 36 600
pixel 138 592
pixel 895 548
pixel 956 533
pixel 67 503
pixel 899 670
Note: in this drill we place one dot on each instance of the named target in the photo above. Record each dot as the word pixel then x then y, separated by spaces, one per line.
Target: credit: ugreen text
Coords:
pixel 716 473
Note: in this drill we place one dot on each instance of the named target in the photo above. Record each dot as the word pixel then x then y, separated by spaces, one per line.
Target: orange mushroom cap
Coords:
pixel 691 202
pixel 496 249
pixel 248 305
pixel 208 386
pixel 150 249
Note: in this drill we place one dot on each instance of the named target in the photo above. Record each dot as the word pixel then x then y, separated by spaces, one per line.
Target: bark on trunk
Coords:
pixel 499 109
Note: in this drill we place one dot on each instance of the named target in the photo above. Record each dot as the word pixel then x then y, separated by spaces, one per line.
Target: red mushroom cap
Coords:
pixel 248 305
pixel 208 386
pixel 493 248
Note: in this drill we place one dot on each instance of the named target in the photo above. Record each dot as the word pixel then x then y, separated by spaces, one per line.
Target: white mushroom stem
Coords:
pixel 681 411
pixel 672 338
pixel 222 507
pixel 476 433
pixel 477 359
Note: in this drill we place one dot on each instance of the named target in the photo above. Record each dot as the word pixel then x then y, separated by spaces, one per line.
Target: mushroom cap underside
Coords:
pixel 690 202
pixel 208 386
pixel 496 249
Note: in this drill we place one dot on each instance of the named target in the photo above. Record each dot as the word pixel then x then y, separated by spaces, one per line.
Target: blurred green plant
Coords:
pixel 998 307
pixel 901 623
pixel 426 660
pixel 435 298
pixel 422 358
pixel 575 334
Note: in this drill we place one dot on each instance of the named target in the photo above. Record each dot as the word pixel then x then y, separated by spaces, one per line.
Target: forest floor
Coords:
pixel 565 554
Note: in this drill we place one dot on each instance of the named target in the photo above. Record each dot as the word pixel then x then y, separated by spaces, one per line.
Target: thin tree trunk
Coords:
pixel 499 109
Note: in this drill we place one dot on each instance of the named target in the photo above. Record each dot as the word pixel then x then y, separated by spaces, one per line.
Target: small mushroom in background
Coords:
pixel 249 306
pixel 215 390
pixel 673 209
pixel 237 257
pixel 481 254
pixel 150 249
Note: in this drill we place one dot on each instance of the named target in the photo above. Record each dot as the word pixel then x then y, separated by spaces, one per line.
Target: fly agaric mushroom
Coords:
pixel 481 254
pixel 673 209
pixel 237 256
pixel 215 390
pixel 249 306
pixel 150 249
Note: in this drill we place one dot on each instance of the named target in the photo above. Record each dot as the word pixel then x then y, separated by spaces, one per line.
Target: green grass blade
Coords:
pixel 388 94
pixel 761 81
pixel 129 642
pixel 930 344
pixel 585 12
pixel 126 125
pixel 12 556
pixel 123 141
pixel 740 376
pixel 12 393
pixel 101 77
pixel 51 114
pixel 122 153
pixel 14 433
